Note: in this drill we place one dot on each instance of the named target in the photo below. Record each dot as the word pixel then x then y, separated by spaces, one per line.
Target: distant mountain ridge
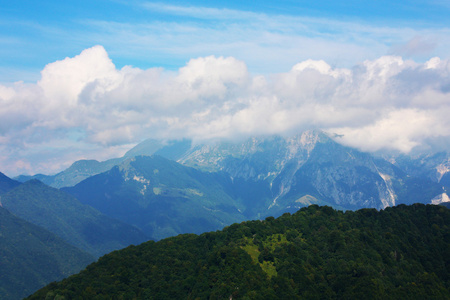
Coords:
pixel 47 234
pixel 80 225
pixel 77 172
pixel 161 197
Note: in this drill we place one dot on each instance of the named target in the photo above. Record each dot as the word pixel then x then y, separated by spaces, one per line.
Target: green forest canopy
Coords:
pixel 401 252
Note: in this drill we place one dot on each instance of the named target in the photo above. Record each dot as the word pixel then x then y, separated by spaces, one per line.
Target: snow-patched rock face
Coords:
pixel 130 173
pixel 433 166
pixel 341 175
pixel 255 158
pixel 442 169
pixel 387 196
pixel 440 199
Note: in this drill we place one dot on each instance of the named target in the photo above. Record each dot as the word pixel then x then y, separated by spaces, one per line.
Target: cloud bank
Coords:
pixel 84 107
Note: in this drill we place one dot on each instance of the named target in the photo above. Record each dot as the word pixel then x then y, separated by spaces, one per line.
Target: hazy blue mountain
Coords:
pixel 82 169
pixel 47 179
pixel 432 166
pixel 7 183
pixel 161 197
pixel 445 180
pixel 32 257
pixel 62 214
pixel 334 175
pixel 77 172
pixel 171 149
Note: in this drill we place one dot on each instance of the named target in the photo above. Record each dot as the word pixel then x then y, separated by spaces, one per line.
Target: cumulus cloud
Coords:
pixel 84 107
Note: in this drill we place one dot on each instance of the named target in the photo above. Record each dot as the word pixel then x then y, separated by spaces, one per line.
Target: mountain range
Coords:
pixel 166 188
pixel 160 188
pixel 311 162
pixel 173 187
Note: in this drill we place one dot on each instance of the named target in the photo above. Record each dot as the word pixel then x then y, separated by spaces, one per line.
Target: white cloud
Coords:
pixel 84 107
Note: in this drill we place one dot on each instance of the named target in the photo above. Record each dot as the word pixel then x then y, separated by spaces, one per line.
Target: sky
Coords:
pixel 91 79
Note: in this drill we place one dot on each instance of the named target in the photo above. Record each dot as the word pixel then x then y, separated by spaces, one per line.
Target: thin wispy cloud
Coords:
pixel 266 43
pixel 169 35
pixel 206 13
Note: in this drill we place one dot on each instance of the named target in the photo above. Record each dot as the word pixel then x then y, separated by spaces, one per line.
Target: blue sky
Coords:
pixel 90 79
pixel 168 34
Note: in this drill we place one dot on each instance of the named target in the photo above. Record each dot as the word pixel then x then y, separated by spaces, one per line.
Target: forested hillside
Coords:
pixel 80 225
pixel 31 257
pixel 401 252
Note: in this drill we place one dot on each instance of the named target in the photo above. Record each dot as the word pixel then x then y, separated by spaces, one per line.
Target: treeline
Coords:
pixel 401 252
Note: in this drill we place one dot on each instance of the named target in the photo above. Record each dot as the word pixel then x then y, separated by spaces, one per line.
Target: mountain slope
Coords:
pixel 317 253
pixel 31 257
pixel 161 197
pixel 346 178
pixel 7 183
pixel 62 214
pixel 432 166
